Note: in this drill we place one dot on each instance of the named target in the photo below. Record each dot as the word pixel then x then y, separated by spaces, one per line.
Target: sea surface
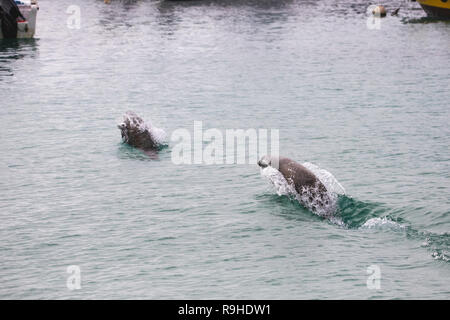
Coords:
pixel 368 105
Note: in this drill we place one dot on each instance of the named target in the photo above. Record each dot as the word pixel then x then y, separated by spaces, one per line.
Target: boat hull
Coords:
pixel 27 28
pixel 436 8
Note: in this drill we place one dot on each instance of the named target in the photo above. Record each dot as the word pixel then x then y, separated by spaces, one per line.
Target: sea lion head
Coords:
pixel 267 160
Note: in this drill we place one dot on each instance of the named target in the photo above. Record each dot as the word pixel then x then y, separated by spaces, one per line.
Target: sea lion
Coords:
pixel 139 134
pixel 311 192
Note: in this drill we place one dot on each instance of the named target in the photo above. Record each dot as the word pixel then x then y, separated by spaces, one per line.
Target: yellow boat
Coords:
pixel 436 8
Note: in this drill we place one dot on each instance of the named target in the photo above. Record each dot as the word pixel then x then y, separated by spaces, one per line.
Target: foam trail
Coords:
pixel 444 256
pixel 439 244
pixel 382 223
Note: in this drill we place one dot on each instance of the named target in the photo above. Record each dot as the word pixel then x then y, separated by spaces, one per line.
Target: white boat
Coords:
pixel 21 24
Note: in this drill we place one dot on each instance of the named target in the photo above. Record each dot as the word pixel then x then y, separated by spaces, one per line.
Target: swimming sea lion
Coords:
pixel 311 192
pixel 139 134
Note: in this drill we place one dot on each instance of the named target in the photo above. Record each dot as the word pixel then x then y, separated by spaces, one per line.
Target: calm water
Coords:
pixel 369 106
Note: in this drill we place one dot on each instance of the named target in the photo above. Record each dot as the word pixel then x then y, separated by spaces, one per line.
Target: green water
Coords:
pixel 369 106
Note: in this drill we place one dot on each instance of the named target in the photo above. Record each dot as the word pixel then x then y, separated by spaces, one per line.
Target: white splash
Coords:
pixel 279 183
pixel 328 180
pixel 444 256
pixel 158 135
pixel 381 223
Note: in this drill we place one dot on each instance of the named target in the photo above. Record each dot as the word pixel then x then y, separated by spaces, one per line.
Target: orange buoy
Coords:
pixel 379 11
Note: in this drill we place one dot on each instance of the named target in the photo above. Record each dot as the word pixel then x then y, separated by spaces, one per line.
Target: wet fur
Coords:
pixel 136 133
pixel 313 194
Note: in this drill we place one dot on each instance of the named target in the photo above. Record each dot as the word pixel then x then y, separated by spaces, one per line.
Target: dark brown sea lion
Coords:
pixel 311 191
pixel 139 134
